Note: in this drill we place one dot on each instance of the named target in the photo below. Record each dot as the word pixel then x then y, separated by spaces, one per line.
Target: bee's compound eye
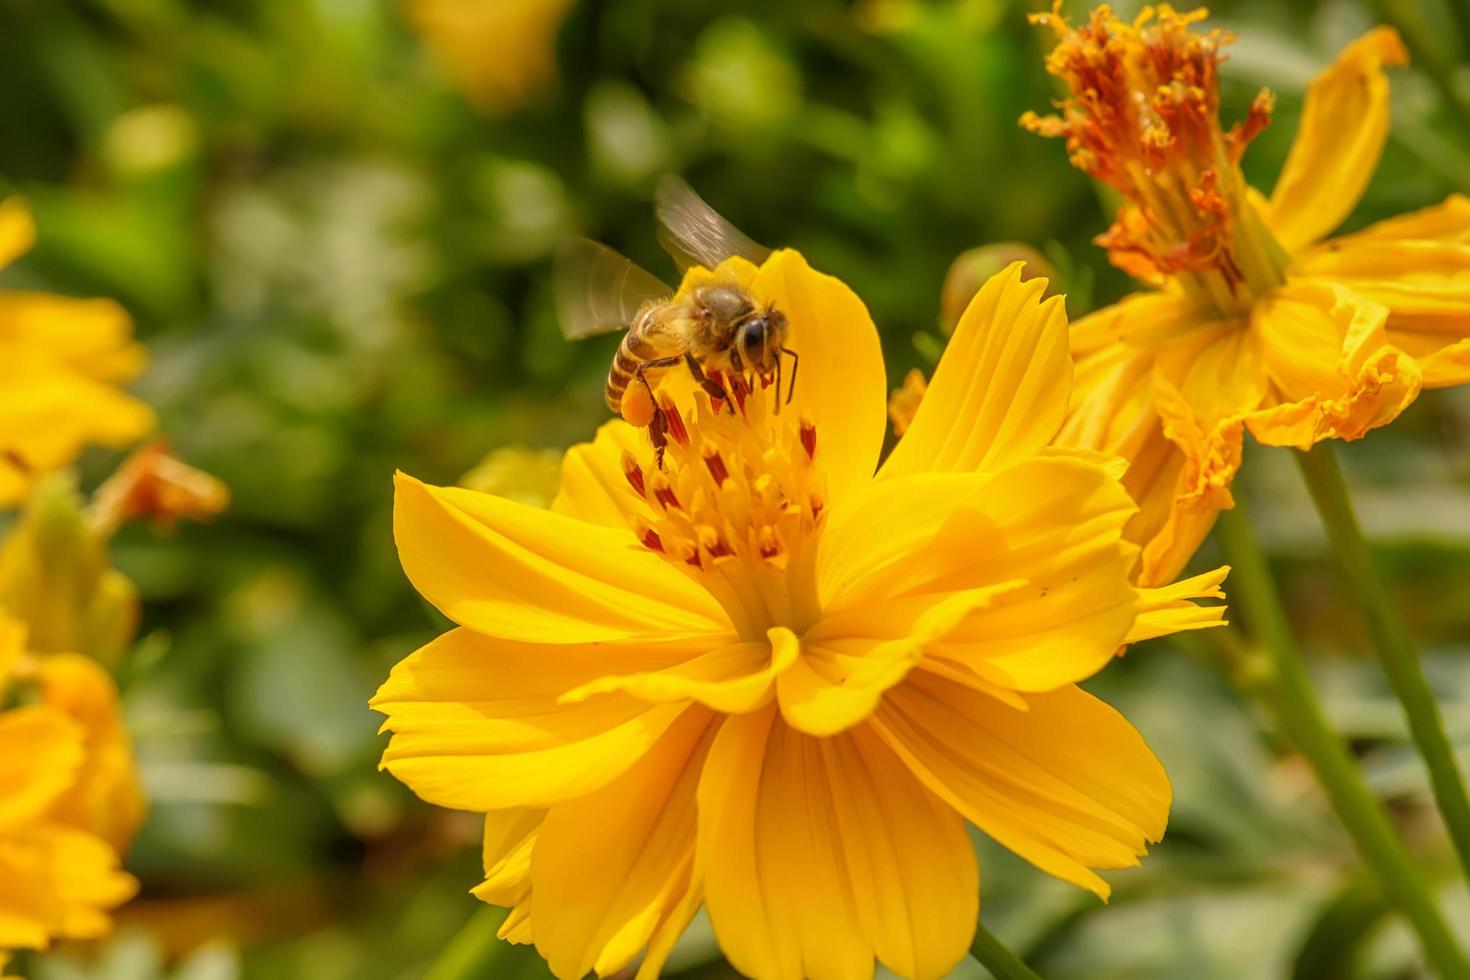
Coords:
pixel 753 339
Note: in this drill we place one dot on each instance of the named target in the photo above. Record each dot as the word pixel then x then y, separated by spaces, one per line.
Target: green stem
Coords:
pixel 1395 648
pixel 996 957
pixel 1299 715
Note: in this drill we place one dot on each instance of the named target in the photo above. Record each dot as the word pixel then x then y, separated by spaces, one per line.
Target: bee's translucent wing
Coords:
pixel 694 233
pixel 597 291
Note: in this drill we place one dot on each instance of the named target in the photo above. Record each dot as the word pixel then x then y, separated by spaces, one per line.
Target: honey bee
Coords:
pixel 714 331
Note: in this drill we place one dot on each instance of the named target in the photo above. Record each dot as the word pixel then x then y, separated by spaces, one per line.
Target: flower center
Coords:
pixel 1144 117
pixel 737 502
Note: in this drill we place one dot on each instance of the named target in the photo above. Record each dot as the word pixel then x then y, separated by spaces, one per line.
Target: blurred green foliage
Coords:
pixel 340 268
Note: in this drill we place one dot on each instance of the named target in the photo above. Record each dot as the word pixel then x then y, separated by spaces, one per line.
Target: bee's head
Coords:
pixel 759 341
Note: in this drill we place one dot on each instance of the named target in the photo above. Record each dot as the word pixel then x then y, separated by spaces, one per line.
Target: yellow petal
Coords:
pixel 854 565
pixel 821 853
pixel 593 485
pixel 1140 320
pixel 48 416
pixel 510 836
pixel 1447 221
pixel 1334 373
pixel 1219 370
pixel 1171 608
pixel 1343 128
pixel 519 572
pixel 1424 284
pixel 1440 364
pixel 840 383
pixel 87 879
pixel 93 337
pixel 106 797
pixel 40 753
pixel 849 659
pixel 1068 785
pixel 57 882
pixel 1115 411
pixel 17 230
pixel 478 723
pixel 1203 385
pixel 669 928
pixel 608 866
pixel 733 678
pixel 1000 391
pixel 516 929
pixel 1052 523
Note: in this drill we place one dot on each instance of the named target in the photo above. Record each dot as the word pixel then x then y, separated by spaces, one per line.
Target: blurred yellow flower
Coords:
pixel 58 876
pixel 527 476
pixel 56 577
pixel 904 403
pixel 497 53
pixel 764 680
pixel 106 797
pixel 1256 321
pixel 61 362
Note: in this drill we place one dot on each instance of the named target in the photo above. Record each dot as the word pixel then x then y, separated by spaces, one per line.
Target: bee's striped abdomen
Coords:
pixel 633 351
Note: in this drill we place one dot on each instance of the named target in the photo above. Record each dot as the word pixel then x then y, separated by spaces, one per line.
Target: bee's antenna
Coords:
pixel 795 365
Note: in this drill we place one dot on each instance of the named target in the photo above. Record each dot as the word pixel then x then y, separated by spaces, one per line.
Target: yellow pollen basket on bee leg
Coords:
pixel 637 406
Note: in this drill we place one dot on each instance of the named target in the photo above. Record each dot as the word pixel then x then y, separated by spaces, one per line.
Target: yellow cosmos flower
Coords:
pixel 58 877
pixel 1256 320
pixel 497 53
pixel 764 680
pixel 61 361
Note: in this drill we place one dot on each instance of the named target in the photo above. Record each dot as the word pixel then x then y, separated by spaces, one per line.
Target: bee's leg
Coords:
pixel 711 388
pixel 777 404
pixel 658 428
pixel 795 364
pixel 657 433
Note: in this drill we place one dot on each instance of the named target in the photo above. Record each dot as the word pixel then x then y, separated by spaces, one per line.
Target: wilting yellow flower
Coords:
pixel 763 680
pixel 152 485
pixel 61 361
pixel 498 53
pixel 1256 320
pixel 58 876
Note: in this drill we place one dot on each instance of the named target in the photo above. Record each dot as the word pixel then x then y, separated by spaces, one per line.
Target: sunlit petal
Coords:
pixel 1343 129
pixel 1067 784
pixel 1000 391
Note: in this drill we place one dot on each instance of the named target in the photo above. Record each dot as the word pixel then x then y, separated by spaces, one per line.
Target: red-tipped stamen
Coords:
pixel 634 473
pixel 808 434
pixel 675 422
pixel 715 463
